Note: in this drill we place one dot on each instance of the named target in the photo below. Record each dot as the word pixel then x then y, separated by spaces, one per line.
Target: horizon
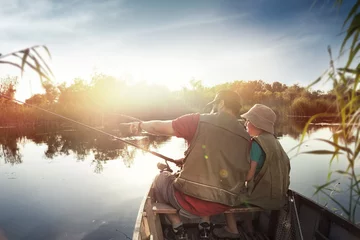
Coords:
pixel 171 43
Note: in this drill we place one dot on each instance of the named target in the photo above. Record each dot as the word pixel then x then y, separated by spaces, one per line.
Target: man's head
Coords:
pixel 260 117
pixel 226 100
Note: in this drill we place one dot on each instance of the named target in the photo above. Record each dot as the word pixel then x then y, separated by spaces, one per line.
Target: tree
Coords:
pixel 8 86
pixel 37 100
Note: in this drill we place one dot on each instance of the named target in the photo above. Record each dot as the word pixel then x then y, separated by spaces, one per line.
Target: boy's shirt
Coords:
pixel 257 155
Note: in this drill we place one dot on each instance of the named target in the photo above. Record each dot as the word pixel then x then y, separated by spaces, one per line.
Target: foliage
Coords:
pixel 30 57
pixel 346 139
pixel 101 101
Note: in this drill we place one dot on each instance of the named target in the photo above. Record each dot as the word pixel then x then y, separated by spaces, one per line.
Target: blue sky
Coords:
pixel 171 42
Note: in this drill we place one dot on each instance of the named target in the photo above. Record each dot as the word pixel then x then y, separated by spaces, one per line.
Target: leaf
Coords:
pixel 343 172
pixel 335 140
pixel 38 65
pixel 354 101
pixel 296 146
pixel 47 50
pixel 357 139
pixel 329 176
pixel 26 53
pixel 353 50
pixel 333 157
pixel 319 188
pixel 354 209
pixel 334 144
pixel 348 70
pixel 356 183
pixel 357 151
pixel 310 121
pixel 355 119
pixel 44 62
pixel 321 152
pixel 351 30
pixel 337 203
pixel 352 12
pixel 37 68
pixel 315 82
pixel 10 63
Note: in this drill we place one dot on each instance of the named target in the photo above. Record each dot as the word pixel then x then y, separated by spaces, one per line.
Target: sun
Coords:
pixel 174 73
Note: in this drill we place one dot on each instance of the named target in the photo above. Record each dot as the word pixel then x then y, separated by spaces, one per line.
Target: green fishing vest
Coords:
pixel 269 187
pixel 217 160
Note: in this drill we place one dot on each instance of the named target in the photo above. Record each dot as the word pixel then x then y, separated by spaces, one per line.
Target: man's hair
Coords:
pixel 232 100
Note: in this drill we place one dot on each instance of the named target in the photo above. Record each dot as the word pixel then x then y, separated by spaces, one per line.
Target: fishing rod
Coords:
pixel 167 159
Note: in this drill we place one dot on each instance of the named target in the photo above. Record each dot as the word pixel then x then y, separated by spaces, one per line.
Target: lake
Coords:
pixel 83 185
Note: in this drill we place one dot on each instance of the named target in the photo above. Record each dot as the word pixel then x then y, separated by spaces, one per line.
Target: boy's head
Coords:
pixel 260 118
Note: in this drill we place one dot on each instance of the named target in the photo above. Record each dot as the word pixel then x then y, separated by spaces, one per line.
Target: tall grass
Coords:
pixel 346 140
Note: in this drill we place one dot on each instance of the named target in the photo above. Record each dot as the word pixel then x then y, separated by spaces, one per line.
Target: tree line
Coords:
pixel 102 100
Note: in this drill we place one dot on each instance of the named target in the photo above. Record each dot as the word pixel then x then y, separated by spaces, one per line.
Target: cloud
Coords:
pixel 52 21
pixel 191 22
pixel 173 42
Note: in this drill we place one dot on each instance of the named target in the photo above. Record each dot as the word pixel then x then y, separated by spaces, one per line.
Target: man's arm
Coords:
pixel 153 127
pixel 183 127
pixel 158 127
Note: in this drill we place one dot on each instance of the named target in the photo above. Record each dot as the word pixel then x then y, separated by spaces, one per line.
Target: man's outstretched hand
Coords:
pixel 132 128
pixel 135 128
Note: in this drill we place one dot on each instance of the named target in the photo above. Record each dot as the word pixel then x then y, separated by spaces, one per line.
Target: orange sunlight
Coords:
pixel 170 73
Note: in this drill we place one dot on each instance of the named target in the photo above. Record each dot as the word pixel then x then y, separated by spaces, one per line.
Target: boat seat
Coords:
pixel 162 208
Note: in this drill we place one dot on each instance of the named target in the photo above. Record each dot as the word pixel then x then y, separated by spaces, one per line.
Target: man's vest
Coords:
pixel 217 160
pixel 269 187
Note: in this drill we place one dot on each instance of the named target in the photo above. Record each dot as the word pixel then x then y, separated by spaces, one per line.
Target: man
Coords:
pixel 215 165
pixel 269 169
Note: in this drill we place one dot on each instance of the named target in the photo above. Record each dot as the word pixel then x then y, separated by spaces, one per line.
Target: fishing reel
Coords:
pixel 164 167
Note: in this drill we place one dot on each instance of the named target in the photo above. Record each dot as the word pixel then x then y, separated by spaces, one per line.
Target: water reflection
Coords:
pixel 54 193
pixel 103 148
pixel 9 150
pixel 80 144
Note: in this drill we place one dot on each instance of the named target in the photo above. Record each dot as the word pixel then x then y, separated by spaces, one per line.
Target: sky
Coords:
pixel 170 42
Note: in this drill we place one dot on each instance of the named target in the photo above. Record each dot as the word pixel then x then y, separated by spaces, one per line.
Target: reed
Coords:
pixel 346 140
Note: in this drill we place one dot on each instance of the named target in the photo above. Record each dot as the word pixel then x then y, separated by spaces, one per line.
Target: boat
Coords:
pixel 301 219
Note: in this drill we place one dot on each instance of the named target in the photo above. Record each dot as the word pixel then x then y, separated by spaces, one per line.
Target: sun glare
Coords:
pixel 173 73
pixel 169 72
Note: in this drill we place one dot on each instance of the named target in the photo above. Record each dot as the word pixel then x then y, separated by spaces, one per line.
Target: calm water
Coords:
pixel 81 185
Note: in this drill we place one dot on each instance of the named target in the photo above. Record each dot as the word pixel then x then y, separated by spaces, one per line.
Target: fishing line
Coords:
pixel 95 129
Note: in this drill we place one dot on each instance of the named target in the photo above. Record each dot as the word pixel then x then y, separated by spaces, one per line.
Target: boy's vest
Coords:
pixel 269 187
pixel 217 160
